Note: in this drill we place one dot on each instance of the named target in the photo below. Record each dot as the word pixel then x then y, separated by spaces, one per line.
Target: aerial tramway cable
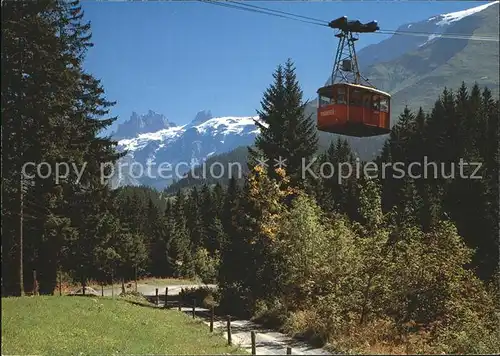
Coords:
pixel 438 35
pixel 234 6
pixel 321 22
pixel 310 20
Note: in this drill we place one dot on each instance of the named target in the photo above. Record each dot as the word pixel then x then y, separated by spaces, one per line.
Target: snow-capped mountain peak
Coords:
pixel 183 146
pixel 441 22
pixel 217 126
pixel 142 140
pixel 201 117
pixel 139 124
pixel 446 19
pixel 435 26
pixel 228 125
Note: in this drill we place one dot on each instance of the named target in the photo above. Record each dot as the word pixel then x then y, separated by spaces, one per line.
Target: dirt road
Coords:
pixel 267 342
pixel 150 289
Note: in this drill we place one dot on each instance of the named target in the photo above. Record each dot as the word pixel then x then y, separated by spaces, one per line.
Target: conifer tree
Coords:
pixel 460 126
pixel 217 236
pixel 194 219
pixel 229 208
pixel 52 110
pixel 237 222
pixel 218 198
pixel 338 187
pixel 396 151
pixel 157 241
pixel 180 251
pixel 252 246
pixel 169 222
pixel 211 224
pixel 285 132
pixel 132 252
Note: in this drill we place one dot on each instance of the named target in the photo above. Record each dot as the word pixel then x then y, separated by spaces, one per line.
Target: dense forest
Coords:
pixel 409 261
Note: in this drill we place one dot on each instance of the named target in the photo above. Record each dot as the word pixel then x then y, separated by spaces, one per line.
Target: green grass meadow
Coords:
pixel 53 325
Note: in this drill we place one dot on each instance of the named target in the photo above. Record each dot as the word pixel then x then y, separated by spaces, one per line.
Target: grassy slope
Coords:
pixel 70 325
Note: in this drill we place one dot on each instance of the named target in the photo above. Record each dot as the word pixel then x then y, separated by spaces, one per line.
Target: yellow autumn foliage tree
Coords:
pixel 267 197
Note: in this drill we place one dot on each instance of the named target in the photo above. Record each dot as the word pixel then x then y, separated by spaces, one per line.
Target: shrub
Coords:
pixel 206 266
pixel 205 296
pixel 236 300
pixel 134 297
pixel 307 325
pixel 271 314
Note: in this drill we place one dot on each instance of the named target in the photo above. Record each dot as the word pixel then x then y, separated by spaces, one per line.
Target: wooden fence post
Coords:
pixel 288 350
pixel 253 343
pixel 157 297
pixel 179 304
pixel 135 277
pixel 102 289
pixel 112 285
pixel 194 306
pixel 35 284
pixel 212 318
pixel 229 339
pixel 166 297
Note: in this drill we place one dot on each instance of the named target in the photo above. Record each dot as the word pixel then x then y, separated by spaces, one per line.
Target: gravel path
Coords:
pixel 150 290
pixel 267 342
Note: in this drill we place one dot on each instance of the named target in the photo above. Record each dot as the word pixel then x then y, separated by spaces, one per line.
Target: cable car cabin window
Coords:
pixel 384 105
pixel 355 97
pixel 324 100
pixel 366 101
pixel 376 103
pixel 341 96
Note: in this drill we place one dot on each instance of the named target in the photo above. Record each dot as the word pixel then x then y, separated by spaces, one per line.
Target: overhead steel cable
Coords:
pixel 399 32
pixel 318 22
pixel 434 33
pixel 443 35
pixel 234 6
pixel 440 35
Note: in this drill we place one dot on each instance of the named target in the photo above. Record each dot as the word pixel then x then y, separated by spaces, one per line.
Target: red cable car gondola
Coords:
pixel 347 106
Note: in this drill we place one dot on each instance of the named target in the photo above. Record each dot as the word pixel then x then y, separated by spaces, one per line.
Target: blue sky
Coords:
pixel 177 58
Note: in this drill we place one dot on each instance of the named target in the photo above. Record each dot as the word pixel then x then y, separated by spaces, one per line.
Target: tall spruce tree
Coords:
pixel 51 111
pixel 337 189
pixel 228 211
pixel 285 133
pixel 209 218
pixel 180 251
pixel 157 241
pixel 194 219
